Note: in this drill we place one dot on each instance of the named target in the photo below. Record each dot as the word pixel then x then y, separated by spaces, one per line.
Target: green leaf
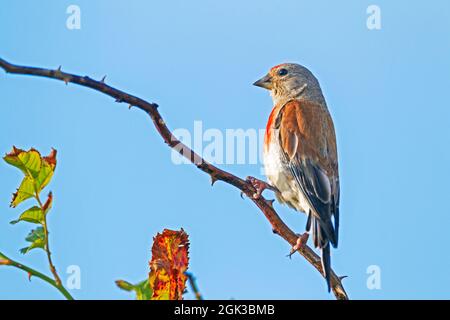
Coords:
pixel 124 285
pixel 37 239
pixel 142 289
pixel 45 175
pixel 32 215
pixel 29 162
pixel 38 172
pixel 25 191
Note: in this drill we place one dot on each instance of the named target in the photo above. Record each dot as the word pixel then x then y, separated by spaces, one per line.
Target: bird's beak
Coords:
pixel 265 82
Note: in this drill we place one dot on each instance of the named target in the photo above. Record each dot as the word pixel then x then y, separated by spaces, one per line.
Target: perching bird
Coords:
pixel 300 154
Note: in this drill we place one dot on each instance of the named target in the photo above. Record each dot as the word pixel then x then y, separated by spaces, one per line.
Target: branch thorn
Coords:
pixel 270 202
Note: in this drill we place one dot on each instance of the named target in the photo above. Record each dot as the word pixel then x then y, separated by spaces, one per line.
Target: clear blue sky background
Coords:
pixel 116 187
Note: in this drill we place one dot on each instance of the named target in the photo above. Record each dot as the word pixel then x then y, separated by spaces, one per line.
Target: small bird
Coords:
pixel 300 155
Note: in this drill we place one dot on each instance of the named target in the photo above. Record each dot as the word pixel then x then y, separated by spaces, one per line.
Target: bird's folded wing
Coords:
pixel 308 141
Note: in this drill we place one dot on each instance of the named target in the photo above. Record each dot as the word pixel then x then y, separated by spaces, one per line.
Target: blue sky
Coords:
pixel 116 186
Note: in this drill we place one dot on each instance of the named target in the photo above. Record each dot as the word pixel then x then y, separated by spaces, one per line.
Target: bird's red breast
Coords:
pixel 269 126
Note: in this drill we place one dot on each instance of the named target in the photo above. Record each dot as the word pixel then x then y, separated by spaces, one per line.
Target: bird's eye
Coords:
pixel 282 72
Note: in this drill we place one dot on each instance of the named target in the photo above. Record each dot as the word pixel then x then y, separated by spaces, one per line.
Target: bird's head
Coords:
pixel 291 81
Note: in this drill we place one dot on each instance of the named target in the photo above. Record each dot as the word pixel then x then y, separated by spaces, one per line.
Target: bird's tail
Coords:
pixel 326 265
pixel 322 241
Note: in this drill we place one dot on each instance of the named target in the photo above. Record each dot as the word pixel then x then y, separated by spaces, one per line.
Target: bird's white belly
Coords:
pixel 281 177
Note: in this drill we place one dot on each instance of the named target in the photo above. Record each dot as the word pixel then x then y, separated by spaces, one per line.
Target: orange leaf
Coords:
pixel 51 158
pixel 170 259
pixel 48 203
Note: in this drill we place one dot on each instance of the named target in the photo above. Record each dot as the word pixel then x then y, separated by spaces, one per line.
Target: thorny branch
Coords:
pixel 278 226
pixel 5 261
pixel 47 245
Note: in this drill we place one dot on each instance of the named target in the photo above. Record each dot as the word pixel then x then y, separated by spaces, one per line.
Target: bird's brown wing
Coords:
pixel 308 141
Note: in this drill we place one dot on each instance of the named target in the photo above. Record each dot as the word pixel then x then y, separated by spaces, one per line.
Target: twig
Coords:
pixel 278 226
pixel 193 285
pixel 5 261
pixel 47 246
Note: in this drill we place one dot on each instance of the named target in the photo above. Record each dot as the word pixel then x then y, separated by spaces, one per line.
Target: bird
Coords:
pixel 300 155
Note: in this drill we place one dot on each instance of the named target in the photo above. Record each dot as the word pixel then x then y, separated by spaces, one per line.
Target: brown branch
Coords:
pixel 278 226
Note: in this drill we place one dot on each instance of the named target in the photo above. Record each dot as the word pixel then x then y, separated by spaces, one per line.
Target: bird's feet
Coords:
pixel 260 186
pixel 301 242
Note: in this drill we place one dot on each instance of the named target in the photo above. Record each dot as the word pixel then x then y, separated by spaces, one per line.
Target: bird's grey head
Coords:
pixel 291 81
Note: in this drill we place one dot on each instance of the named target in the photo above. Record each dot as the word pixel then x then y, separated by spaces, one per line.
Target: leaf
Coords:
pixel 32 215
pixel 142 289
pixel 37 239
pixel 4 260
pixel 48 204
pixel 124 285
pixel 170 259
pixel 29 162
pixel 51 158
pixel 25 191
pixel 38 172
pixel 47 169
